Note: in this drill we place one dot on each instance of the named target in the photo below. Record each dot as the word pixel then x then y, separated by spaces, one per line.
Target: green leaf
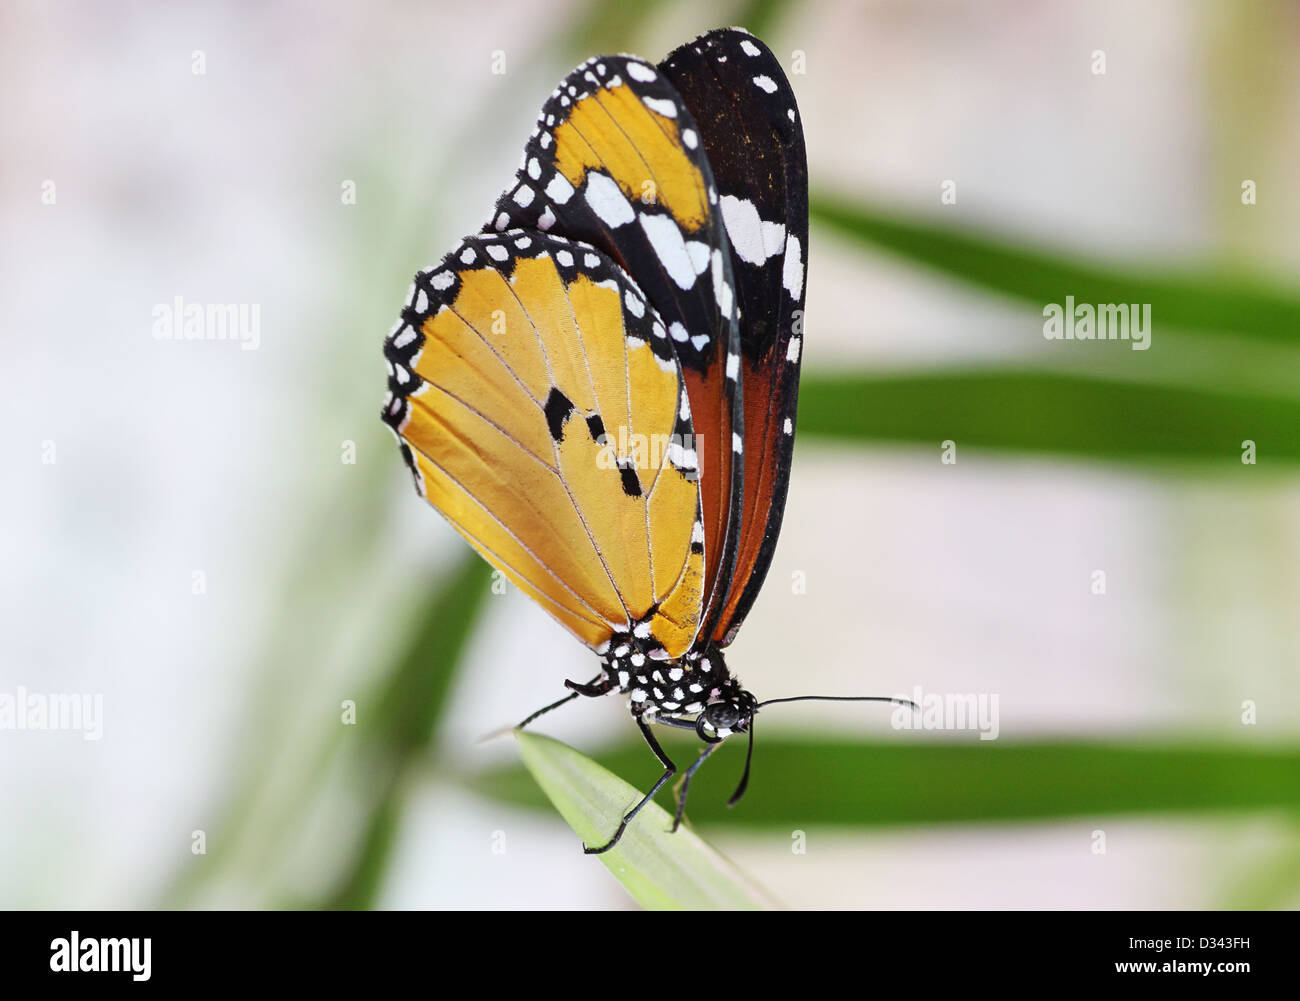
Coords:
pixel 1207 301
pixel 761 18
pixel 407 710
pixel 1051 412
pixel 611 25
pixel 798 783
pixel 416 687
pixel 661 870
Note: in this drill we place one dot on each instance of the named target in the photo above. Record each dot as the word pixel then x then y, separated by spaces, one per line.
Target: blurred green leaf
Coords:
pixel 1266 880
pixel 1204 301
pixel 760 17
pixel 611 26
pixel 361 881
pixel 797 782
pixel 661 871
pixel 1052 412
pixel 407 709
pixel 415 690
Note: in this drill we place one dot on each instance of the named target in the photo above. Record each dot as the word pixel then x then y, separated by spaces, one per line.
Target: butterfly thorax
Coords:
pixel 672 688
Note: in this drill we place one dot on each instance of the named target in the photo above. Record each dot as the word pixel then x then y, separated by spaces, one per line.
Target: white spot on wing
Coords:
pixel 753 239
pixel 661 106
pixel 607 201
pixel 792 276
pixel 669 247
pixel 699 251
pixel 682 458
pixel 559 190
pixel 721 287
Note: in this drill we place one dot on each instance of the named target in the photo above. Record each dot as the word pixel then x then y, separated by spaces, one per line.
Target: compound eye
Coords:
pixel 722 715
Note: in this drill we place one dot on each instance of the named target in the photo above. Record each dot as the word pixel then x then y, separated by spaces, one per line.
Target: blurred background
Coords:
pixel 296 659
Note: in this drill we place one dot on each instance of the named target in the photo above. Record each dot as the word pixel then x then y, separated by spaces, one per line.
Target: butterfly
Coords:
pixel 598 391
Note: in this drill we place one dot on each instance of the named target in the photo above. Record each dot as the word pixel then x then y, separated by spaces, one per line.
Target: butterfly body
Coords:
pixel 673 689
pixel 598 391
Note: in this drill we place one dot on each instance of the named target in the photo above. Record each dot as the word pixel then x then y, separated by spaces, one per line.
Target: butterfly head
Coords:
pixel 730 711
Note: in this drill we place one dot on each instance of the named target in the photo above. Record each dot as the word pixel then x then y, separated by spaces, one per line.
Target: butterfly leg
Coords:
pixel 686 784
pixel 670 770
pixel 596 686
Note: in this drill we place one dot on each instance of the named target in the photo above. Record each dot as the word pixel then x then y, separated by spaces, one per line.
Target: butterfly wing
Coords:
pixel 616 161
pixel 749 126
pixel 541 410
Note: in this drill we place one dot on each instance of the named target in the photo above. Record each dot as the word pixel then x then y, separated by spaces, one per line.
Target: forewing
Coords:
pixel 617 161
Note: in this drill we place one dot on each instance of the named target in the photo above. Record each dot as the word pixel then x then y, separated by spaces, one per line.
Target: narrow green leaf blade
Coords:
pixel 1204 301
pixel 802 782
pixel 661 870
pixel 407 710
pixel 416 686
pixel 1051 412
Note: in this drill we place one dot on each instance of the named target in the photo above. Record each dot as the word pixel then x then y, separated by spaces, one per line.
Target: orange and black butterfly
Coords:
pixel 598 391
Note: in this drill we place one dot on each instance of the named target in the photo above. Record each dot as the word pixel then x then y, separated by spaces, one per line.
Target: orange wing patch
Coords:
pixel 612 130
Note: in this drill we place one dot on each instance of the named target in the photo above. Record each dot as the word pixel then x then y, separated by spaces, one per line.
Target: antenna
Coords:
pixel 749 753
